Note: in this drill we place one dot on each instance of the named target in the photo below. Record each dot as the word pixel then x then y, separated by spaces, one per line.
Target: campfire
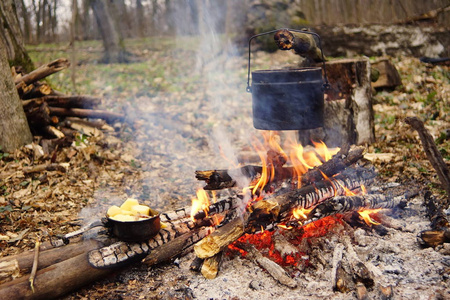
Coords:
pixel 298 208
pixel 294 196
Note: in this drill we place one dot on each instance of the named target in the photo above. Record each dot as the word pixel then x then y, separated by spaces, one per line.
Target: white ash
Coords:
pixel 395 259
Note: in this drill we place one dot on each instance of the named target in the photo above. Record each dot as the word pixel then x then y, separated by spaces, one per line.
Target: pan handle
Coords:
pixel 326 85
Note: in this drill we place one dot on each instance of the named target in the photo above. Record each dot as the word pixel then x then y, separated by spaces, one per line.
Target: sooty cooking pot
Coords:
pixel 287 99
pixel 135 231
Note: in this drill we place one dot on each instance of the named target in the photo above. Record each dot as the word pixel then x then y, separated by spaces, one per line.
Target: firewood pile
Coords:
pixel 49 112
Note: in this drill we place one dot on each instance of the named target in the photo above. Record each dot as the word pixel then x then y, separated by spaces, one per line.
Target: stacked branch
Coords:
pixel 45 107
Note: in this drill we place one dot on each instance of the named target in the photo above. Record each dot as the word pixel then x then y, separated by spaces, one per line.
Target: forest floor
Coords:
pixel 183 109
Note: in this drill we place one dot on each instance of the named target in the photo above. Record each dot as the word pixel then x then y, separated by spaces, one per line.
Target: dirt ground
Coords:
pixel 167 136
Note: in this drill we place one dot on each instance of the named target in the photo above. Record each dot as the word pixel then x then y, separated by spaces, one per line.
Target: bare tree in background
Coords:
pixel 112 43
pixel 14 129
pixel 11 36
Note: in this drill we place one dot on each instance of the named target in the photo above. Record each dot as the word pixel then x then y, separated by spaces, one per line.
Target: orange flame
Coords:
pixel 201 202
pixel 301 213
pixel 365 214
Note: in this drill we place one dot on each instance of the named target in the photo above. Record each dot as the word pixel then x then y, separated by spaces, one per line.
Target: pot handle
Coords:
pixel 326 85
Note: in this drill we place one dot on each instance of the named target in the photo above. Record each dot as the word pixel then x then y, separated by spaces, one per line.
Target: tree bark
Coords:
pixel 114 49
pixel 12 36
pixel 15 131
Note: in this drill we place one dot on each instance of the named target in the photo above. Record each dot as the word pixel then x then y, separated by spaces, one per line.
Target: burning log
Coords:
pixel 274 269
pixel 432 152
pixel 219 179
pixel 342 204
pixel 221 206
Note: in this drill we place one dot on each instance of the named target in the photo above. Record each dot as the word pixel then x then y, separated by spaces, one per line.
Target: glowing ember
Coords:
pixel 365 214
pixel 200 203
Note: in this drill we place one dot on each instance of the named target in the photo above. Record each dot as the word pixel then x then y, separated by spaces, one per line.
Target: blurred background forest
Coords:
pixel 52 21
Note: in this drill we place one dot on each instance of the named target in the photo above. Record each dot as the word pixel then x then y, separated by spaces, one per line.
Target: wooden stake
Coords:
pixel 35 264
pixel 432 152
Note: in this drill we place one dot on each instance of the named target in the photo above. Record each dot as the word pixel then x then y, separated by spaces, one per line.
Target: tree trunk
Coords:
pixel 114 49
pixel 15 131
pixel 12 36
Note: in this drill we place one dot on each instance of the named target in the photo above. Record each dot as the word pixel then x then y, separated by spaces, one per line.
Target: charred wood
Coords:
pixel 336 261
pixel 221 206
pixel 123 253
pixel 302 43
pixel 314 194
pixel 175 247
pixel 342 204
pixel 440 226
pixel 336 164
pixel 220 179
pixel 196 264
pixel 177 214
pixel 274 269
pixel 432 152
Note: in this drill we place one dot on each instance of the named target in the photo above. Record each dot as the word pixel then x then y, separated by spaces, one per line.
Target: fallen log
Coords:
pixel 47 257
pixel 43 71
pixel 54 281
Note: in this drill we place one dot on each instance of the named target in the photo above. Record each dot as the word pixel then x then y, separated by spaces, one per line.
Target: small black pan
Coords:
pixel 135 231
